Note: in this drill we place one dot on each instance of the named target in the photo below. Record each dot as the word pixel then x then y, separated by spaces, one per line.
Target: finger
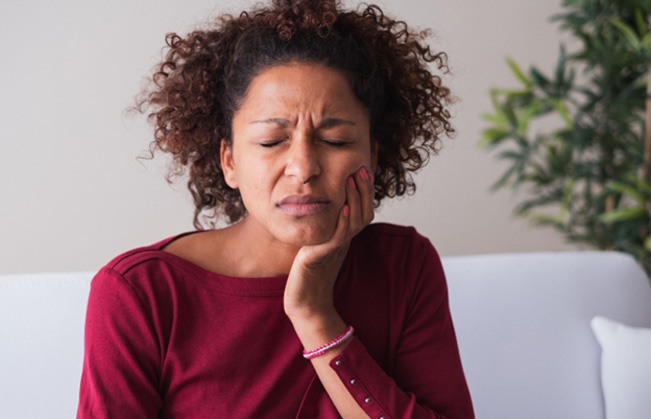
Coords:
pixel 354 201
pixel 365 183
pixel 343 224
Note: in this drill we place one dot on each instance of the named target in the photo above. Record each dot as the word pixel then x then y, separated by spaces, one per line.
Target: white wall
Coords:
pixel 74 195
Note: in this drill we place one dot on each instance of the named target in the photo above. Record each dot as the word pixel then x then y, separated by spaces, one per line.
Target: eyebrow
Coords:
pixel 325 124
pixel 284 123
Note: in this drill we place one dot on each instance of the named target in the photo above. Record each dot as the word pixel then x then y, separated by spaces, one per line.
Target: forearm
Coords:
pixel 314 332
pixel 359 387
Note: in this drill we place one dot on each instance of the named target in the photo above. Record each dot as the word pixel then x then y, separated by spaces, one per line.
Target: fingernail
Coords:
pixel 346 211
pixel 351 183
pixel 363 173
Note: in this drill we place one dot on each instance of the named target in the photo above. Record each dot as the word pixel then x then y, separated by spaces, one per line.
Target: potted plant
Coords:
pixel 579 140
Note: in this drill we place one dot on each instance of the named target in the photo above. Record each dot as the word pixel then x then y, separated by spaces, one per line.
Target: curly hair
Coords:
pixel 204 76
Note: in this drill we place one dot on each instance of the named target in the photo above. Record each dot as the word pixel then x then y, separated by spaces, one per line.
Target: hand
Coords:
pixel 310 285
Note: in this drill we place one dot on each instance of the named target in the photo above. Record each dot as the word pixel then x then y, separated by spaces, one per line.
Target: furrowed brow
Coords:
pixel 325 124
pixel 334 122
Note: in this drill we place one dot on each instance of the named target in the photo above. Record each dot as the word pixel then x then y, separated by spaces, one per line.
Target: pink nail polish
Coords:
pixel 351 183
pixel 346 211
pixel 364 174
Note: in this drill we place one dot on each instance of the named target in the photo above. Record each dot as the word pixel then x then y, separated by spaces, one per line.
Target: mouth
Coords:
pixel 301 205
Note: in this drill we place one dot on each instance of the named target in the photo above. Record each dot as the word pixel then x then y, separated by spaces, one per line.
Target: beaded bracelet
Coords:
pixel 338 341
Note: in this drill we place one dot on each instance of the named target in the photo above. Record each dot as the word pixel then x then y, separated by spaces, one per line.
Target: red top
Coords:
pixel 166 338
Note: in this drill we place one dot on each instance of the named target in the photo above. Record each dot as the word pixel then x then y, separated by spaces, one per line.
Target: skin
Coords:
pixel 302 159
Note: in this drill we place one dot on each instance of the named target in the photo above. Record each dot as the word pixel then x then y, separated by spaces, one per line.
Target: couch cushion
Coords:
pixel 625 368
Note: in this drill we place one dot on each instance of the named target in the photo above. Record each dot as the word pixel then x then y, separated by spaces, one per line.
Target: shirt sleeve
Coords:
pixel 428 380
pixel 121 353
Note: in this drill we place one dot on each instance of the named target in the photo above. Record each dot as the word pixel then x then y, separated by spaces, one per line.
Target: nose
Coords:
pixel 302 159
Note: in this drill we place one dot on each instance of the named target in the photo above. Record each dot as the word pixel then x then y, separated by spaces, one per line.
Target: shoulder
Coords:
pixel 142 274
pixel 140 267
pixel 389 231
pixel 152 253
pixel 392 238
pixel 396 263
pixel 393 248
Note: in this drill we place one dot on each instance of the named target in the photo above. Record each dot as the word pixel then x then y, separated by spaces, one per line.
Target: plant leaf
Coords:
pixel 640 22
pixel 627 31
pixel 517 71
pixel 627 190
pixel 627 214
pixel 562 110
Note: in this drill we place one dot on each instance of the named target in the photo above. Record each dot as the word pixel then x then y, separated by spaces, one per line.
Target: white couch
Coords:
pixel 523 323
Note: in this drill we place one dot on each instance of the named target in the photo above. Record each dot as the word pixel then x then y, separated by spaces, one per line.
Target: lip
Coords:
pixel 301 205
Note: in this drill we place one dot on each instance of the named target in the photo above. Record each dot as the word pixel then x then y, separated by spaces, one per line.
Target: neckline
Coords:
pixel 160 246
pixel 258 286
pixel 267 286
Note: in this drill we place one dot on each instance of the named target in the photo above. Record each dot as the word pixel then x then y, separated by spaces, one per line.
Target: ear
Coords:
pixel 228 164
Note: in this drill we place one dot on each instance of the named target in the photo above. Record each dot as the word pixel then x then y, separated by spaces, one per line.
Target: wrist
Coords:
pixel 317 313
pixel 338 342
pixel 316 330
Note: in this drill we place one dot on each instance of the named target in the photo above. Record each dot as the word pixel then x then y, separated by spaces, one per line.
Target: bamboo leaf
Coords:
pixel 505 179
pixel 640 22
pixel 627 31
pixel 644 187
pixel 539 79
pixel 552 197
pixel 517 71
pixel 511 116
pixel 627 214
pixel 510 155
pixel 626 190
pixel 562 110
pixel 543 219
pixel 645 44
pixel 494 118
pixel 493 136
pixel 529 113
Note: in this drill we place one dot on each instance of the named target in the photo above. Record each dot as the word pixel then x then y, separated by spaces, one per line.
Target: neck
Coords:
pixel 258 253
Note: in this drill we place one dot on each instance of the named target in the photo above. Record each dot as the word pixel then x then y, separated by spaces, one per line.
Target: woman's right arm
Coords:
pixel 121 354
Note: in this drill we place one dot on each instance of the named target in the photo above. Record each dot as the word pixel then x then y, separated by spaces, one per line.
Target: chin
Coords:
pixel 306 235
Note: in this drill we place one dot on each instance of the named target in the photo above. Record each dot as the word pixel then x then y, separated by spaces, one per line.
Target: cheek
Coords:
pixel 341 172
pixel 251 169
pixel 357 161
pixel 262 183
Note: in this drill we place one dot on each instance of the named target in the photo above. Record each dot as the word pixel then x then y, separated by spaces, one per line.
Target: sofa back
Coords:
pixel 523 325
pixel 41 343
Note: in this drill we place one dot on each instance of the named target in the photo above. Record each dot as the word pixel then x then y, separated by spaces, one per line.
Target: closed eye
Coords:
pixel 335 143
pixel 273 143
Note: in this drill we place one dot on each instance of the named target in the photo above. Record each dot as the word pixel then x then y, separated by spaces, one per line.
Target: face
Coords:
pixel 299 134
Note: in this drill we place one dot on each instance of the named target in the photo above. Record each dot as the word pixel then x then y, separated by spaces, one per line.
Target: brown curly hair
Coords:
pixel 204 76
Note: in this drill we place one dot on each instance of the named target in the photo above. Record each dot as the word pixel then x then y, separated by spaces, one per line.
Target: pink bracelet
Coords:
pixel 338 341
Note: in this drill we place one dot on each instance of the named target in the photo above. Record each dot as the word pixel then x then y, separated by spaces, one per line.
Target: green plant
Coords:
pixel 576 139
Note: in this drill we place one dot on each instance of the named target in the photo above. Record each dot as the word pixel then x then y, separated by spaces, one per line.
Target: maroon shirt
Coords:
pixel 166 338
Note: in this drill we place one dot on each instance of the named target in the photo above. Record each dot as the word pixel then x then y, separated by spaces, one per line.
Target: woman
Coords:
pixel 293 122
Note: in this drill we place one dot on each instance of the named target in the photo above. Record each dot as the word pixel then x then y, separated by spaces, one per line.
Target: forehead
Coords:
pixel 298 88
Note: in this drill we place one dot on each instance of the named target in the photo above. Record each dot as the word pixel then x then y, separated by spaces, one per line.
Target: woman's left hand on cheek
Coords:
pixel 309 289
